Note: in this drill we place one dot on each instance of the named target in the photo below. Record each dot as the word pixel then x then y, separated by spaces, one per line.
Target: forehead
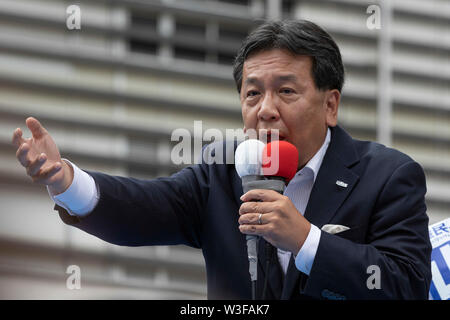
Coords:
pixel 276 62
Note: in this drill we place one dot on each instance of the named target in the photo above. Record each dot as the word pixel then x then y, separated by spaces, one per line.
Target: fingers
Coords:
pixel 254 218
pixel 37 130
pixel 17 139
pixel 35 127
pixel 260 207
pixel 249 218
pixel 36 164
pixel 34 167
pixel 45 176
pixel 261 195
pixel 33 162
pixel 256 229
pixel 22 154
pixel 253 224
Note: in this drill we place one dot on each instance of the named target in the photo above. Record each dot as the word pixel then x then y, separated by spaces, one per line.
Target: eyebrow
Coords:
pixel 286 78
pixel 251 81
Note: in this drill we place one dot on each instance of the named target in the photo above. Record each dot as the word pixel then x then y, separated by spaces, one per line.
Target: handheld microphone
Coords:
pixel 268 167
pixel 280 160
pixel 248 164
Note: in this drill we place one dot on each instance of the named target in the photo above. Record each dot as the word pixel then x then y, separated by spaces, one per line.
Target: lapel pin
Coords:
pixel 341 184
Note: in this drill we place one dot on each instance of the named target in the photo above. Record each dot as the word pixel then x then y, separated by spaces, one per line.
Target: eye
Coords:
pixel 287 91
pixel 252 93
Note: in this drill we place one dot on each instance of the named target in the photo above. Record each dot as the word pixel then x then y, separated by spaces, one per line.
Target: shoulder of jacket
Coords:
pixel 379 154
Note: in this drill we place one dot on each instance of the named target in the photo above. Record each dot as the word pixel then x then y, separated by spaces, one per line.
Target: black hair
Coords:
pixel 300 37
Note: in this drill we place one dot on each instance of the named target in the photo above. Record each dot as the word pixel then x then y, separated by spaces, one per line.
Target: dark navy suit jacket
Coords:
pixel 383 204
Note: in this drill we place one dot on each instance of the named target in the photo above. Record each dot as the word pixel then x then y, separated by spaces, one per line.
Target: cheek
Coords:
pixel 296 114
pixel 300 118
pixel 249 117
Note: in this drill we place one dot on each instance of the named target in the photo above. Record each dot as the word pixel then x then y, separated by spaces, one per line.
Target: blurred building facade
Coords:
pixel 112 93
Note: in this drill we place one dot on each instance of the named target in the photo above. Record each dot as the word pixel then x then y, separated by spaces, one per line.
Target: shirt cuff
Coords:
pixel 305 257
pixel 82 195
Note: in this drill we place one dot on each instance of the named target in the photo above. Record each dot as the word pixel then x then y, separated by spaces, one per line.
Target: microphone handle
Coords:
pixel 252 182
pixel 252 252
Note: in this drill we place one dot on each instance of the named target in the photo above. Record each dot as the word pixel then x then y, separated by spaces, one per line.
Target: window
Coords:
pixel 191 28
pixel 235 33
pixel 239 2
pixel 142 46
pixel 190 54
pixel 142 25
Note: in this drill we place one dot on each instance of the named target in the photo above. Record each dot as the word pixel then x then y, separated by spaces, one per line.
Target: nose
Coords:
pixel 269 109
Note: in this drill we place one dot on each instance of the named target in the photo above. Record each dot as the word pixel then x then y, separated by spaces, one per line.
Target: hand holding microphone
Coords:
pixel 266 211
pixel 280 223
pixel 265 170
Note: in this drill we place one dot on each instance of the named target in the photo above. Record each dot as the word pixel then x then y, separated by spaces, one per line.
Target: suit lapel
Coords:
pixel 326 196
pixel 334 181
pixel 290 280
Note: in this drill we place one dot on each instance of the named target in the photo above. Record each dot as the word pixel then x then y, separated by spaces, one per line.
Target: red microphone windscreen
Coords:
pixel 280 158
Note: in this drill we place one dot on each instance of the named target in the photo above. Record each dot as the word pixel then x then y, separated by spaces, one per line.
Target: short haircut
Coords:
pixel 300 37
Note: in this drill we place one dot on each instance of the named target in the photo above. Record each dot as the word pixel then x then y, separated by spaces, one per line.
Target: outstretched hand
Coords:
pixel 41 158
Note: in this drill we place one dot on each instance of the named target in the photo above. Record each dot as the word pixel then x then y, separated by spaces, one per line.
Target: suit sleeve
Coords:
pixel 135 212
pixel 397 245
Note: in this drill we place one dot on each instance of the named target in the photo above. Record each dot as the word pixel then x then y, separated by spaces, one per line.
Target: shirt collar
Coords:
pixel 316 161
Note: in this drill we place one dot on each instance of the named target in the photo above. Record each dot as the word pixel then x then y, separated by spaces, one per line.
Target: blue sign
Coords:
pixel 440 260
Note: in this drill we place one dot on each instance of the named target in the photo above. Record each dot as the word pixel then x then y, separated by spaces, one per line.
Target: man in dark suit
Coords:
pixel 351 224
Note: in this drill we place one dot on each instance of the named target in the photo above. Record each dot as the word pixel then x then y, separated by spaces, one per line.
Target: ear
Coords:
pixel 331 105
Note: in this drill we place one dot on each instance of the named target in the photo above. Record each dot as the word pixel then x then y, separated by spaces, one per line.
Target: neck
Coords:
pixel 314 149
